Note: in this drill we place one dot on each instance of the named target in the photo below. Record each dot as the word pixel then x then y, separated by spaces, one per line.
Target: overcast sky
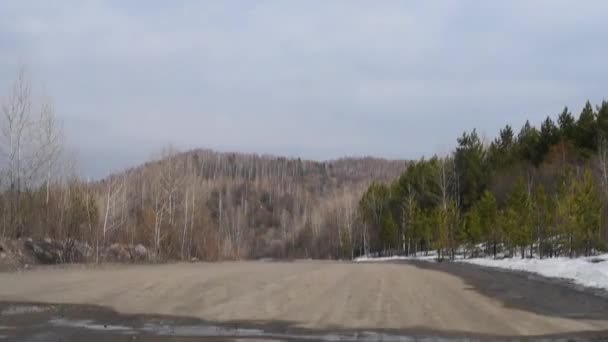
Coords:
pixel 316 79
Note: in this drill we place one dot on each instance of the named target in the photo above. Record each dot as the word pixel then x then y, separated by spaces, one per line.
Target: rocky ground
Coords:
pixel 21 254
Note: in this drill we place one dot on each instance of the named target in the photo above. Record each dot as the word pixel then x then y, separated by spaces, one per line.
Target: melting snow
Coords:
pixel 430 257
pixel 590 272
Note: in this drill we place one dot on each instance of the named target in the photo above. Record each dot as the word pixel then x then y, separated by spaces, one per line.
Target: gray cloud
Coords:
pixel 318 79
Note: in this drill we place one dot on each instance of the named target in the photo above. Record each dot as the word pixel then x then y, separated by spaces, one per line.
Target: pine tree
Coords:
pixel 453 218
pixel 509 221
pixel 373 208
pixel 440 219
pixel 417 223
pixel 426 229
pixel 501 152
pixel 549 136
pixel 388 231
pixel 602 120
pixel 529 142
pixel 471 229
pixel 587 208
pixel 542 218
pixel 566 124
pixel 566 215
pixel 470 159
pixel 518 201
pixel 488 215
pixel 586 130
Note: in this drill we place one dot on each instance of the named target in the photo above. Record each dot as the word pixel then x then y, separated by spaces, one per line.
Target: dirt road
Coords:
pixel 317 295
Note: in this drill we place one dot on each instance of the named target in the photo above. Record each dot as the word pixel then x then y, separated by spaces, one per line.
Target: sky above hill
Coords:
pixel 313 78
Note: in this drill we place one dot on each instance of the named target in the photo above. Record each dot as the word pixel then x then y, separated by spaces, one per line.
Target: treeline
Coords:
pixel 542 191
pixel 182 205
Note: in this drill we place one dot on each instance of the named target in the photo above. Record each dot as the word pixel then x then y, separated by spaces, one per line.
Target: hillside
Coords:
pixel 214 205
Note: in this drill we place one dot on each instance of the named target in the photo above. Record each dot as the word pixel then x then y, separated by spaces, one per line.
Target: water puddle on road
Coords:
pixel 28 322
pixel 23 322
pixel 88 324
pixel 213 331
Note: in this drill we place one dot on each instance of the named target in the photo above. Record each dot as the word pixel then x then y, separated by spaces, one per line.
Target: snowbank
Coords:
pixel 430 257
pixel 591 271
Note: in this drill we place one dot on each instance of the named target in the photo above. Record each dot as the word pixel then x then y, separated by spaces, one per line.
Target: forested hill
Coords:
pixel 197 204
pixel 536 192
pixel 214 205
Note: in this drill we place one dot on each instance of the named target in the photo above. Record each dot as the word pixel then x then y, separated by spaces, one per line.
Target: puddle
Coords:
pixel 202 330
pixel 88 324
pixel 198 330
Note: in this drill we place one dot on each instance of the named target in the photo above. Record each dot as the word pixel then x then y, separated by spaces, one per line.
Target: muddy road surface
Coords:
pixel 294 300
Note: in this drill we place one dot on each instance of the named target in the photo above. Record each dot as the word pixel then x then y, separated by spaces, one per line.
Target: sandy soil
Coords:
pixel 316 295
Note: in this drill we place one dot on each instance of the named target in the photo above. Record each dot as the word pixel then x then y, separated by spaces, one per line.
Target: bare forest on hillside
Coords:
pixel 197 204
pixel 212 205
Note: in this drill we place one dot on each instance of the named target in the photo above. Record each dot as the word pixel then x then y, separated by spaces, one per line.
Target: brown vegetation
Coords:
pixel 198 204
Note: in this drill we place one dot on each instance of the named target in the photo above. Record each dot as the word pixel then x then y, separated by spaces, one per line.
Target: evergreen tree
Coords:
pixel 566 214
pixel 602 120
pixel 417 223
pixel 488 213
pixel 441 223
pixel 587 209
pixel 471 230
pixel 372 208
pixel 509 221
pixel 566 124
pixel 501 152
pixel 453 217
pixel 542 218
pixel 528 141
pixel 518 201
pixel 388 232
pixel 586 130
pixel 426 230
pixel 425 211
pixel 549 136
pixel 471 168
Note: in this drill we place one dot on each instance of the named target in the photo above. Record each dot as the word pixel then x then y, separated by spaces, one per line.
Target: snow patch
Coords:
pixel 431 258
pixel 22 310
pixel 589 272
